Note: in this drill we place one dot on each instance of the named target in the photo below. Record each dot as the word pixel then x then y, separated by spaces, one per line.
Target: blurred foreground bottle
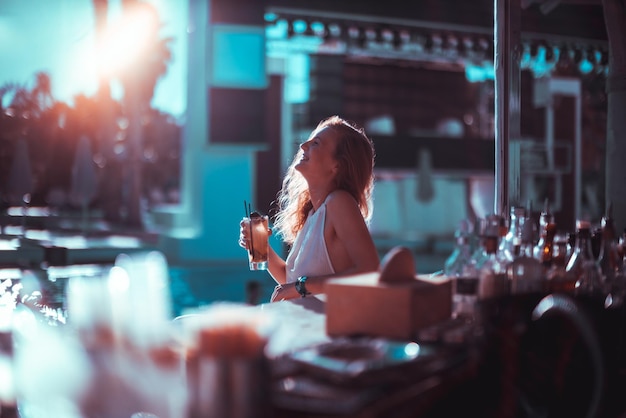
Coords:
pixel 8 402
pixel 125 335
pixel 581 265
pixel 227 371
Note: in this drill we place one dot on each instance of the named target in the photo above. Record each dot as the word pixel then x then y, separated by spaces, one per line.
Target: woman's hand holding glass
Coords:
pixel 253 236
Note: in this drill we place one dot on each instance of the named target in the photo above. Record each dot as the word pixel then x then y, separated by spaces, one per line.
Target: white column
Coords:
pixel 215 178
pixel 195 131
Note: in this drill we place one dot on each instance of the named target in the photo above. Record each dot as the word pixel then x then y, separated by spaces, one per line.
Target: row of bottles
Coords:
pixel 492 259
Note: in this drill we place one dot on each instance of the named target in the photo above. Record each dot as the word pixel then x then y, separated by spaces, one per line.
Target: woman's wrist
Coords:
pixel 300 285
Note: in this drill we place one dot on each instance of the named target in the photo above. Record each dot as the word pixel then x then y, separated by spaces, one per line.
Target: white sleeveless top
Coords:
pixel 309 255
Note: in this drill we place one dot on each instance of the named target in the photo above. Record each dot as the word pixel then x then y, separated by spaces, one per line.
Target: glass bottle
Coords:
pixel 621 250
pixel 621 262
pixel 458 268
pixel 465 291
pixel 581 265
pixel 476 241
pixel 462 253
pixel 525 273
pixel 596 241
pixel 466 284
pixel 558 281
pixel 492 279
pixel 509 246
pixel 543 251
pixel 608 256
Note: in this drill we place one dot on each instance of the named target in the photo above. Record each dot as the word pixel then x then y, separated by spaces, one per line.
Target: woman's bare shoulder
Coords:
pixel 340 198
pixel 341 203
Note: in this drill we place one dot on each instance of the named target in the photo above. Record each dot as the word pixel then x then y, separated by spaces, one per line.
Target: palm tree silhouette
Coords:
pixel 139 83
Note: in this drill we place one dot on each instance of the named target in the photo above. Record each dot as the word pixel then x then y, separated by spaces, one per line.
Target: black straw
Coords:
pixel 248 209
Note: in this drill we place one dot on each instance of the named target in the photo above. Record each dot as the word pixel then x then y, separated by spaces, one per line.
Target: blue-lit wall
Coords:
pixel 200 237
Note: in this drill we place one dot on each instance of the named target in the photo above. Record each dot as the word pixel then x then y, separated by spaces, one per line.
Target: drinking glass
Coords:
pixel 258 246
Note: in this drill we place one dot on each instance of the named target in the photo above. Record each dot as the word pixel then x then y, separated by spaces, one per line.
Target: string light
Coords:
pixel 540 56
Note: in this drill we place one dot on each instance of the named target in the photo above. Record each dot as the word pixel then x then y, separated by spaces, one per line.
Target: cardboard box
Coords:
pixel 395 307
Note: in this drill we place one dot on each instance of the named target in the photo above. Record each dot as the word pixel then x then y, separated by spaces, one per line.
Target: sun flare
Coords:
pixel 124 42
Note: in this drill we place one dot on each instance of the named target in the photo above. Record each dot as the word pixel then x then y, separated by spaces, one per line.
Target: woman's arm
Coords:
pixel 276 267
pixel 285 291
pixel 352 244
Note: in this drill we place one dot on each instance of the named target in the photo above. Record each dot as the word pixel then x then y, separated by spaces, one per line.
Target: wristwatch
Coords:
pixel 301 286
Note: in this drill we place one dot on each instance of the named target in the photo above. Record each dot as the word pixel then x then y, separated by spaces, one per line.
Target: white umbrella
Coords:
pixel 84 180
pixel 20 184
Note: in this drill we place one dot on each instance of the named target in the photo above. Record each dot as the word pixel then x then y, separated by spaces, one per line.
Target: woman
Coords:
pixel 324 207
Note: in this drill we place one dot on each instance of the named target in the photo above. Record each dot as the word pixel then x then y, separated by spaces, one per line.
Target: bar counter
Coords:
pixel 522 355
pixel 532 354
pixel 314 375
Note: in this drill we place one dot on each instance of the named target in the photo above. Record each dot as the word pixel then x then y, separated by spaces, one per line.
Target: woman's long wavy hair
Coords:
pixel 355 157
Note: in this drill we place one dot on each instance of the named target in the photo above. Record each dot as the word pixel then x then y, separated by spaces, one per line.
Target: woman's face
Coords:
pixel 318 155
